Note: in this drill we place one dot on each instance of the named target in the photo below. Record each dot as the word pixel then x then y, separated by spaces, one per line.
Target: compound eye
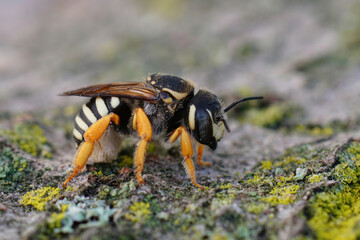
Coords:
pixel 217 119
pixel 166 97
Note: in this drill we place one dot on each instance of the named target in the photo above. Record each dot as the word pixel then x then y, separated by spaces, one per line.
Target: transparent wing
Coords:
pixel 130 90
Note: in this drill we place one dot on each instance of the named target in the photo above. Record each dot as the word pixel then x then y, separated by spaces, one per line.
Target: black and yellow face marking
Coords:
pixel 205 119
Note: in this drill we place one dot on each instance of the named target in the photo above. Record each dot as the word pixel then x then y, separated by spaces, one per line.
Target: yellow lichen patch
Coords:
pixel 290 160
pixel 139 212
pixel 317 131
pixel 69 189
pixel 284 195
pixel 336 215
pixel 99 173
pixel 315 178
pixel 217 203
pixel 55 220
pixel 266 165
pixel 282 180
pixel 226 186
pixel 270 117
pixel 30 138
pixel 256 207
pixel 39 198
pixel 355 151
pixel 345 173
pixel 255 179
pixel 126 161
pixel 223 198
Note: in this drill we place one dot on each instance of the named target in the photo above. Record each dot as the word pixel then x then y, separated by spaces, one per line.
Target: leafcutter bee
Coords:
pixel 163 105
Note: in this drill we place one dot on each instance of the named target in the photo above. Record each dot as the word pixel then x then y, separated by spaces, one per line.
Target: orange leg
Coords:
pixel 200 150
pixel 187 152
pixel 91 135
pixel 142 124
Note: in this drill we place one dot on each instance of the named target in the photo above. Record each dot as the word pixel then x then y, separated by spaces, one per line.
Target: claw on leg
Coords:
pixel 82 156
pixel 190 170
pixel 187 152
pixel 200 150
pixel 92 134
pixel 142 124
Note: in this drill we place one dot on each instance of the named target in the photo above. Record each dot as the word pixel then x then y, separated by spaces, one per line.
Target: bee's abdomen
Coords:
pixel 97 108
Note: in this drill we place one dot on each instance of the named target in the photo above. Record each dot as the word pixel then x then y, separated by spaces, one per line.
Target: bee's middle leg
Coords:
pixel 92 134
pixel 187 152
pixel 141 123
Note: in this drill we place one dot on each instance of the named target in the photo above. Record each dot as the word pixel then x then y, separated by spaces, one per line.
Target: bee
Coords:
pixel 163 106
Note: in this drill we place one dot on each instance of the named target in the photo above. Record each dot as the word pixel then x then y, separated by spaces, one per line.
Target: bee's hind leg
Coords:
pixel 187 152
pixel 92 134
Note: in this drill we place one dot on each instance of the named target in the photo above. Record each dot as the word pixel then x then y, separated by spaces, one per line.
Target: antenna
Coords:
pixel 241 100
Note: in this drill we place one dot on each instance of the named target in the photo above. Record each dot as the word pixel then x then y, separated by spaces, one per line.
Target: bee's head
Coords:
pixel 204 118
pixel 172 90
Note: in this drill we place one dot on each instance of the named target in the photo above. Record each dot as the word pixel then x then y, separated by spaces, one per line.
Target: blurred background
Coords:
pixel 302 53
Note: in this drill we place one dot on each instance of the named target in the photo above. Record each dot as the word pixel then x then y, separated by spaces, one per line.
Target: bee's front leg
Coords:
pixel 142 124
pixel 92 134
pixel 187 152
pixel 200 150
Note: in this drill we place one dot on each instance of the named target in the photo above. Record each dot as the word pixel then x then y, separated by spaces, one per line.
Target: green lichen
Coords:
pixel 69 189
pixel 345 174
pixel 290 160
pixel 283 195
pixel 336 213
pixel 139 212
pixel 256 179
pixel 115 194
pixel 314 130
pixel 300 173
pixel 14 170
pixel 283 180
pixel 30 138
pixel 271 117
pixel 315 178
pixel 125 161
pixel 266 165
pixel 56 218
pixel 98 173
pixel 39 198
pixel 256 207
pixel 225 186
pixel 77 213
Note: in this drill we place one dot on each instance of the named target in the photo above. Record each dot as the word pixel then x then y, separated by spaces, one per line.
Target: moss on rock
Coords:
pixel 335 213
pixel 39 198
pixel 15 171
pixel 30 138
